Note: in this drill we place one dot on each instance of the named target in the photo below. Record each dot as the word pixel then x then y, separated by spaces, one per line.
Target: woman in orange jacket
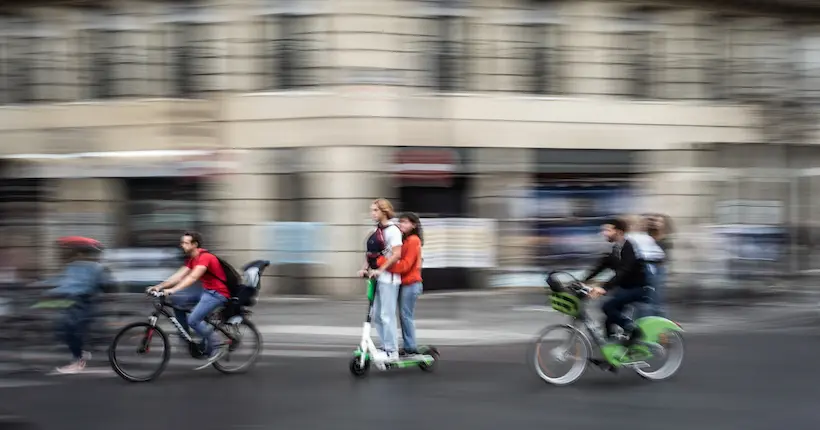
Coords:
pixel 409 267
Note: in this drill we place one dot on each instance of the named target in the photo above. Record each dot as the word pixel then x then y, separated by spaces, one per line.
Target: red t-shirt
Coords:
pixel 213 274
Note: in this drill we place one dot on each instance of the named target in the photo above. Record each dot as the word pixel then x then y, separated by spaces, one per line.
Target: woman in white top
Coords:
pixel 385 240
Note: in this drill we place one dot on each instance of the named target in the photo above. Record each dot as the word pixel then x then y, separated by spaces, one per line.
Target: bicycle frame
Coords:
pixel 161 308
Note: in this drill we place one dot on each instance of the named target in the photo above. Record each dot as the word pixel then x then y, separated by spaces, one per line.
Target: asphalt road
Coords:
pixel 729 381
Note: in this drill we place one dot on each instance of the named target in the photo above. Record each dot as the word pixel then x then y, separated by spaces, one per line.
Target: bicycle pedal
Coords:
pixel 636 364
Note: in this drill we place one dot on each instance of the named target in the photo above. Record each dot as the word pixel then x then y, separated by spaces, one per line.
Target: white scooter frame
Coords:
pixel 367 352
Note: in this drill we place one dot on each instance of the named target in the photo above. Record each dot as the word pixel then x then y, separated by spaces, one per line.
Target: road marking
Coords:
pixel 17 383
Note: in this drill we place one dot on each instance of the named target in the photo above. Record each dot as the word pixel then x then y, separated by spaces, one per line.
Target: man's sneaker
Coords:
pixel 215 356
pixel 86 356
pixel 71 369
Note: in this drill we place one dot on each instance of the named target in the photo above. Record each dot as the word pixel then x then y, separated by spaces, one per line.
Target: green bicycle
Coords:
pixel 661 339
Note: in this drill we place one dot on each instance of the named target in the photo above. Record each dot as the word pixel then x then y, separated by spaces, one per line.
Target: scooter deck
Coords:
pixel 412 360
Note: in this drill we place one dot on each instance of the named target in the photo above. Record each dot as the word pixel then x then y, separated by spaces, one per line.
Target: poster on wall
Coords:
pixel 459 242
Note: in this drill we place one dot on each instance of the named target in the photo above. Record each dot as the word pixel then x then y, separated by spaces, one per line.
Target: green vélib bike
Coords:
pixel 662 338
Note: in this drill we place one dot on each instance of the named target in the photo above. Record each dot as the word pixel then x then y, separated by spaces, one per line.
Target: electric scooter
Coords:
pixel 365 353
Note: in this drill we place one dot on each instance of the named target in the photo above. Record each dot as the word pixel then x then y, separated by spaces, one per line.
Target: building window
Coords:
pixel 290 46
pixel 445 45
pixel 534 55
pixel 194 49
pixel 16 60
pixel 96 39
pixel 718 65
pixel 117 62
pixel 808 67
pixel 639 54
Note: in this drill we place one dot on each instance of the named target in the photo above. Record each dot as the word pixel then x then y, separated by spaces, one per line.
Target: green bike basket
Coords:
pixel 566 304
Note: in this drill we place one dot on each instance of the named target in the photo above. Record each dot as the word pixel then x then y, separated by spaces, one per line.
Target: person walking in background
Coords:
pixel 409 267
pixel 658 226
pixel 82 280
pixel 385 240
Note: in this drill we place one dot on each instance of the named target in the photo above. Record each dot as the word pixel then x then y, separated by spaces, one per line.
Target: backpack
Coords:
pixel 232 279
pixel 376 245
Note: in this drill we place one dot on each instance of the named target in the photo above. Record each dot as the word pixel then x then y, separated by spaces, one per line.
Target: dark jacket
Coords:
pixel 630 272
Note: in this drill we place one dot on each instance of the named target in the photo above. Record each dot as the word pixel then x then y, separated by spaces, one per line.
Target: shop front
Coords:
pixel 136 203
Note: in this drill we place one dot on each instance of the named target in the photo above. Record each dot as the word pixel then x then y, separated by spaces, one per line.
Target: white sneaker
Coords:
pixel 217 355
pixel 71 369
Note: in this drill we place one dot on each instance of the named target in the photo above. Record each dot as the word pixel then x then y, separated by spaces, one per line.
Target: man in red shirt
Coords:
pixel 202 266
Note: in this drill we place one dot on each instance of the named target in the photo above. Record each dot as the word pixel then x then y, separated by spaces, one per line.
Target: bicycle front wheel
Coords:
pixel 560 354
pixel 244 350
pixel 135 343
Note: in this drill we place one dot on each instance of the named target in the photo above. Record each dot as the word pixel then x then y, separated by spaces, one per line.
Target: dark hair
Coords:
pixel 618 223
pixel 417 230
pixel 195 238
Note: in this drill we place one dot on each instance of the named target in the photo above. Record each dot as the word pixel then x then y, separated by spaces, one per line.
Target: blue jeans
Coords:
pixel 653 306
pixel 614 307
pixel 384 312
pixel 186 300
pixel 657 295
pixel 407 303
pixel 209 302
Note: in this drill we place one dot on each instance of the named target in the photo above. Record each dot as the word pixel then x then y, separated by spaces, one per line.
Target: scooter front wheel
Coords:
pixel 356 368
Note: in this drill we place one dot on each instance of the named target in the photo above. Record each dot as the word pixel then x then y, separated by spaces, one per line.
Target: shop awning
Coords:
pixel 119 164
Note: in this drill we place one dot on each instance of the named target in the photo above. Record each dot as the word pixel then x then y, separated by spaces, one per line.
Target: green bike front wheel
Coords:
pixel 560 354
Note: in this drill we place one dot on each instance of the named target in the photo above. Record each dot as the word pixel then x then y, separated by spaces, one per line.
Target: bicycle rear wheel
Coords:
pixel 245 336
pixel 144 336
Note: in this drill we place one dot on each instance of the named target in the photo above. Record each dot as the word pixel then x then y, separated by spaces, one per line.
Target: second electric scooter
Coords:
pixel 365 353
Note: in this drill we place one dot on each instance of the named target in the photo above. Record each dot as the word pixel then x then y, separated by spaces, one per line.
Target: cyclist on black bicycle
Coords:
pixel 204 266
pixel 632 258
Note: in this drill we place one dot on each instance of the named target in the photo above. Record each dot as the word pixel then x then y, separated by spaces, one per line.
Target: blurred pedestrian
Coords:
pixel 82 280
pixel 659 227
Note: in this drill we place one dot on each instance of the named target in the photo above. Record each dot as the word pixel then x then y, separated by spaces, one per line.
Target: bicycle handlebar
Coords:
pixel 577 286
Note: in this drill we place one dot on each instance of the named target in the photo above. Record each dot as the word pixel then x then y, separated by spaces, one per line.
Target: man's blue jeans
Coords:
pixel 209 302
pixel 186 300
pixel 407 307
pixel 614 307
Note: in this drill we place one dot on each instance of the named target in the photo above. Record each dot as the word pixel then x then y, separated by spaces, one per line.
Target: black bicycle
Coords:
pixel 229 325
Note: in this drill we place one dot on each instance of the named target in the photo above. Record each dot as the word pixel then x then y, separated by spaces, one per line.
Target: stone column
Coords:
pixel 339 185
pixel 242 203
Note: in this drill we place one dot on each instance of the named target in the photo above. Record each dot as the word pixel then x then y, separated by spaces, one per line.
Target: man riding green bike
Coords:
pixel 633 259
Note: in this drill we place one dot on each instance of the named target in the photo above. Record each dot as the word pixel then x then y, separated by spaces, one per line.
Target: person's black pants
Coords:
pixel 614 307
pixel 73 325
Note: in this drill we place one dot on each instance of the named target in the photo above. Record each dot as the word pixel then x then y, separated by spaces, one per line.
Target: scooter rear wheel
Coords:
pixel 356 368
pixel 433 352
